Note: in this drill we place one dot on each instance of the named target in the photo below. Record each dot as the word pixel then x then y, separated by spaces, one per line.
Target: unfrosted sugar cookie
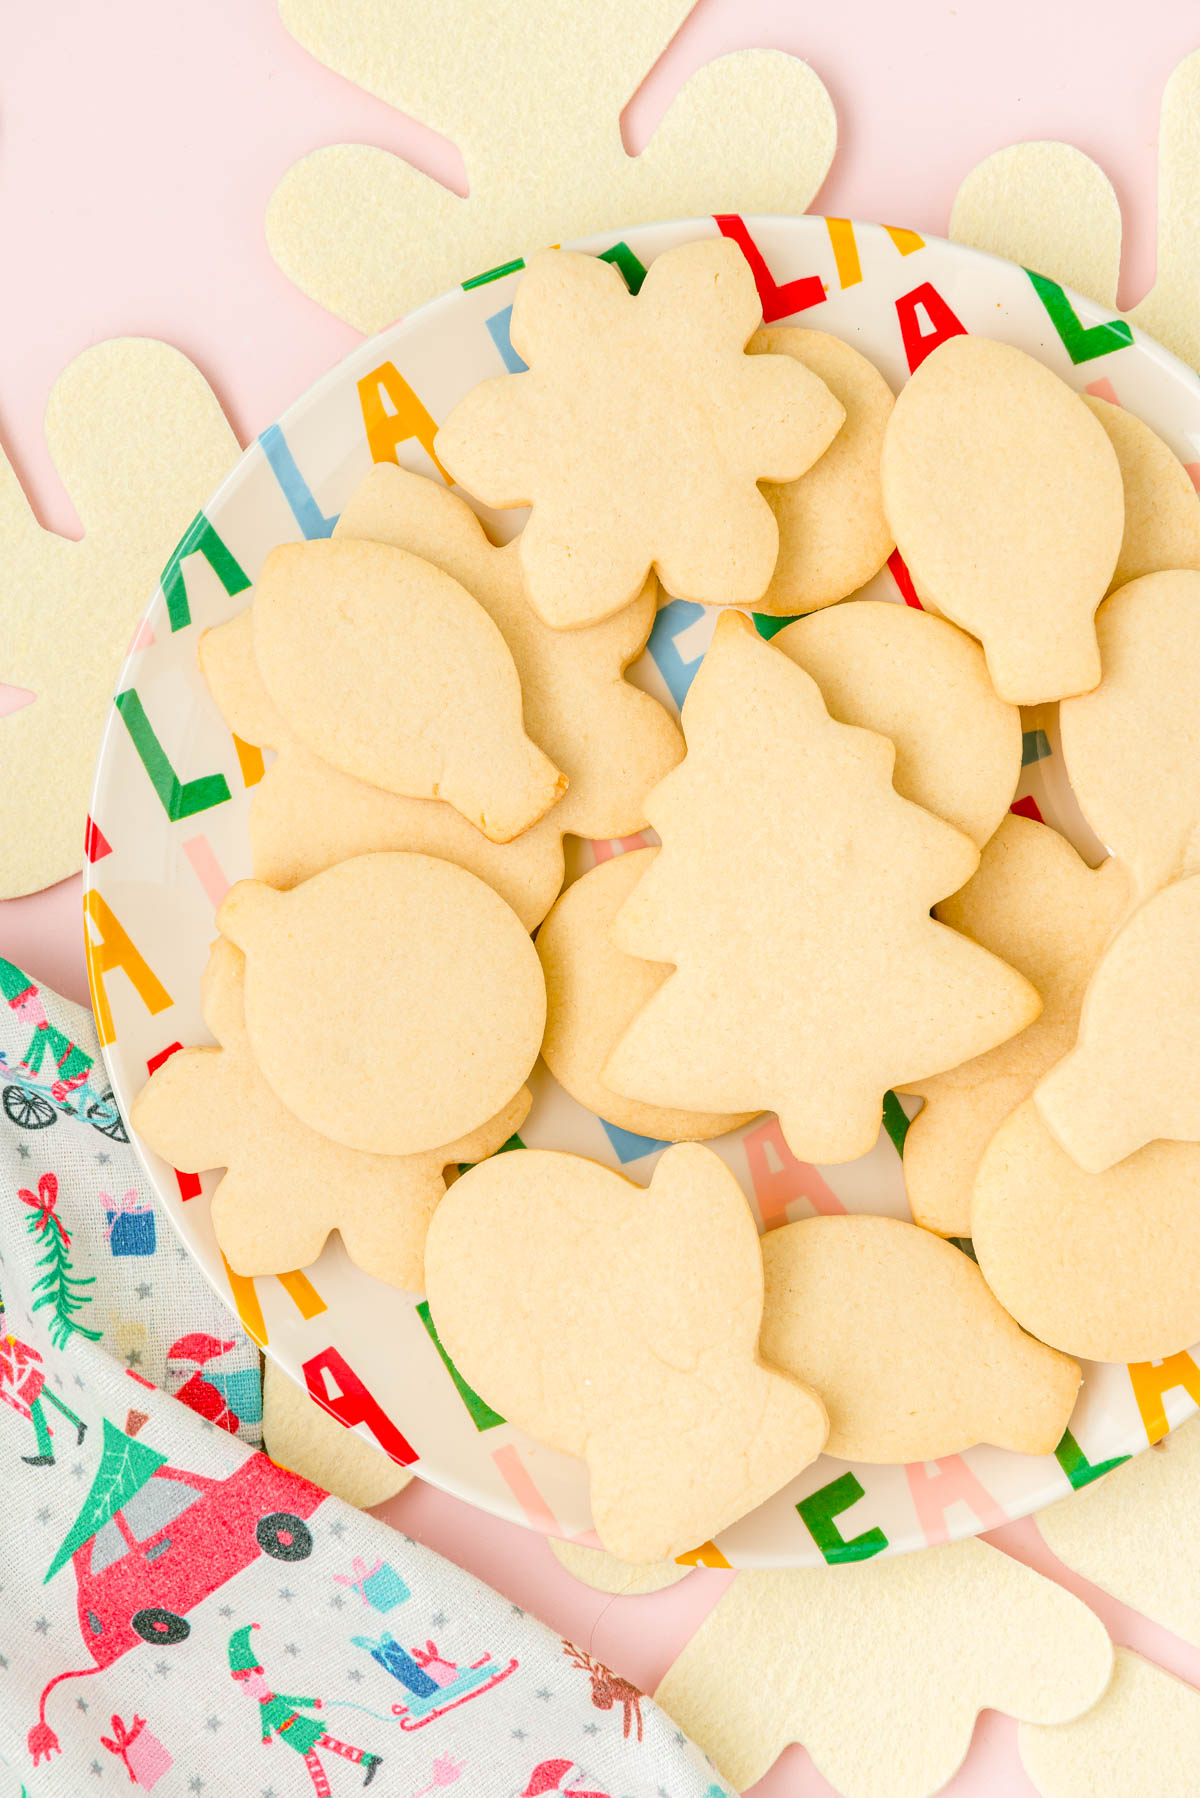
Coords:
pixel 286 1187
pixel 388 669
pixel 639 432
pixel 833 535
pixel 306 815
pixel 1162 507
pixel 791 896
pixel 912 1356
pixel 612 741
pixel 393 1003
pixel 924 684
pixel 1131 746
pixel 302 1436
pixel 593 994
pixel 1133 1076
pixel 1103 1266
pixel 604 1573
pixel 1037 905
pixel 582 1307
pixel 1004 494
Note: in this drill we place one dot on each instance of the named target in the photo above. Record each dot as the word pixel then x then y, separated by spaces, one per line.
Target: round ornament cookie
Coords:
pixel 393 1002
pixel 593 993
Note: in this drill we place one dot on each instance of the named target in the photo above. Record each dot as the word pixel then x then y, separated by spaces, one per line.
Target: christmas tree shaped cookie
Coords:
pixel 582 1307
pixel 1037 905
pixel 639 432
pixel 792 897
pixel 286 1186
pixel 388 669
pixel 912 1356
pixel 393 1003
pixel 1004 494
pixel 593 994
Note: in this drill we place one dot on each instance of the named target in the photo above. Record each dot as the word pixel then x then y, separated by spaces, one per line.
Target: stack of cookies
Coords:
pixel 840 904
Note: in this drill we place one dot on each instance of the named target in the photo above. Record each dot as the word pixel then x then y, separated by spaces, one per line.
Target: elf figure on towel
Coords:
pixel 281 1716
pixel 23 1386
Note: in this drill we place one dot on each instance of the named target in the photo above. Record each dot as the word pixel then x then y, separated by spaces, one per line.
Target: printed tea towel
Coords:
pixel 176 1612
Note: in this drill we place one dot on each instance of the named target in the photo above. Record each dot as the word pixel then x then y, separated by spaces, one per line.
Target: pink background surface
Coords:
pixel 139 143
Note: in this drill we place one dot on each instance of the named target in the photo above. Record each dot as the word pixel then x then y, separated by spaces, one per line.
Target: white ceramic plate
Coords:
pixel 151 891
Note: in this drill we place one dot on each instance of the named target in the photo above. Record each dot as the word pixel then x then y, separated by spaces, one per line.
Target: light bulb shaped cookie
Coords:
pixel 1037 905
pixel 582 1307
pixel 1133 1076
pixel 1103 1266
pixel 388 669
pixel 791 896
pixel 1005 497
pixel 612 741
pixel 286 1186
pixel 911 1354
pixel 306 815
pixel 393 1003
pixel 639 432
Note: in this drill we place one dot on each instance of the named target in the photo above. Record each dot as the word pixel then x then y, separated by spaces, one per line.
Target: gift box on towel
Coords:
pixel 145 1758
pixel 379 1586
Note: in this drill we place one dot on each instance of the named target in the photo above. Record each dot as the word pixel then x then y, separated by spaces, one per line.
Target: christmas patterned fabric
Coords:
pixel 179 1614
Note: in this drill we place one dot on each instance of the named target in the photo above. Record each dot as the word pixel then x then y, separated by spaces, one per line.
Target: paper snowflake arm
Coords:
pixel 832 1657
pixel 533 98
pixel 70 607
pixel 1048 206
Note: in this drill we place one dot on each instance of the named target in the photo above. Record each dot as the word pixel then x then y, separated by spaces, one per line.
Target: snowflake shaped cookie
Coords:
pixel 639 431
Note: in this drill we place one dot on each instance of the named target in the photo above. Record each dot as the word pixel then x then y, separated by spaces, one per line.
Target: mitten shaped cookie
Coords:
pixel 1133 1076
pixel 582 1307
pixel 286 1186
